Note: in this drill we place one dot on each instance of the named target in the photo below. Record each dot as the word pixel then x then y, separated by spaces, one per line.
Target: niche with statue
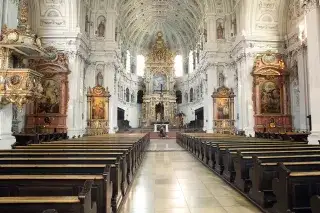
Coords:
pixel 223 111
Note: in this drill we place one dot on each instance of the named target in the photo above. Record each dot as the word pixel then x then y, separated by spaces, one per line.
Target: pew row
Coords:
pixel 82 203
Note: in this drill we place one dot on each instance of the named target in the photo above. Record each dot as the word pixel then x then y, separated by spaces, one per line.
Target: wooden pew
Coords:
pixel 264 171
pixel 82 203
pixel 244 162
pixel 226 157
pixel 118 180
pixel 92 153
pixel 59 185
pixel 315 204
pixel 293 190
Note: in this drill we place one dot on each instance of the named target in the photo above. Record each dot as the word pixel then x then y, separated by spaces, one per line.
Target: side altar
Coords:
pixel 159 100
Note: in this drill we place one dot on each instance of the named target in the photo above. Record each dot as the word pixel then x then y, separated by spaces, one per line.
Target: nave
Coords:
pixel 171 180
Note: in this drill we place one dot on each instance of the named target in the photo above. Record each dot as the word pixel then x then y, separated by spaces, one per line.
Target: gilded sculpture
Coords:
pixel 159 100
pixel 223 106
pixel 98 110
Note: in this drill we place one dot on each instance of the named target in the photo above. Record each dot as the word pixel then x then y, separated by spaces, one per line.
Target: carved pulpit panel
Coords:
pixel 223 111
pixel 270 94
pixel 98 111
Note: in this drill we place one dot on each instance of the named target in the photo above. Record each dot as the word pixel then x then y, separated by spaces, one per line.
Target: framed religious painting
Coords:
pixel 98 111
pixel 223 111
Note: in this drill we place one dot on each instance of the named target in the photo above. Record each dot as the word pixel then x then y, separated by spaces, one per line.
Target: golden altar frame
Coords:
pixel 98 110
pixel 223 111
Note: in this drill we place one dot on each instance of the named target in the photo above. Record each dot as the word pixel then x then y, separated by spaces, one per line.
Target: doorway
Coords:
pixel 159 112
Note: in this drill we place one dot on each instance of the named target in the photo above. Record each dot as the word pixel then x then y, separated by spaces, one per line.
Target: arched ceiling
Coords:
pixel 179 20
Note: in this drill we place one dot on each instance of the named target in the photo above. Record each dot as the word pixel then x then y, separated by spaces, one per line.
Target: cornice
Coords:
pixel 310 5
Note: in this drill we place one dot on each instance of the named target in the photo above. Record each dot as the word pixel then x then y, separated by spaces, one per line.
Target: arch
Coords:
pixel 191 95
pixel 179 97
pixel 127 92
pixel 140 97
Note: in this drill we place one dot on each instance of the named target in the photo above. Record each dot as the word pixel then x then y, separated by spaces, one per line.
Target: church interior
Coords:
pixel 158 106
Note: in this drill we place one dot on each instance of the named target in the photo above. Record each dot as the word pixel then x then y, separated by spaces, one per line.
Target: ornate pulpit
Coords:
pixel 270 94
pixel 159 102
pixel 98 111
pixel 223 110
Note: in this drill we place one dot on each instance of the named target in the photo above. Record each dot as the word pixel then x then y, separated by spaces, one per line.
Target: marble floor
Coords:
pixel 171 180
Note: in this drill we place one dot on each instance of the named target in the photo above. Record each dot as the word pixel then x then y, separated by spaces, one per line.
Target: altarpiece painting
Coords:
pixel 271 94
pixel 223 110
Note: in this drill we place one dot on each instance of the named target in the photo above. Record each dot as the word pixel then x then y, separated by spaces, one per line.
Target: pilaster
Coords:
pixel 303 90
pixel 313 41
pixel 245 110
pixel 75 119
pixel 208 106
pixel 113 100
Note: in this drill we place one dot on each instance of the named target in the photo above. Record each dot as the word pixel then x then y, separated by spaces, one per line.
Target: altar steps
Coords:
pixel 170 135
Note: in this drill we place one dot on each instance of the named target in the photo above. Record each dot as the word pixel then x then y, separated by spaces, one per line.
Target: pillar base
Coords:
pixel 6 141
pixel 209 130
pixel 314 138
pixel 76 132
pixel 249 132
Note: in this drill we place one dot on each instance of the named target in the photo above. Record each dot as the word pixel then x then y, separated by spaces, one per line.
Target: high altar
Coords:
pixel 159 101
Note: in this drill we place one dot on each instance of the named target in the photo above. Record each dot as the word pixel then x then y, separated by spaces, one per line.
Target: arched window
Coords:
pixel 179 97
pixel 140 97
pixel 191 95
pixel 186 97
pixel 178 66
pixel 127 95
pixel 140 65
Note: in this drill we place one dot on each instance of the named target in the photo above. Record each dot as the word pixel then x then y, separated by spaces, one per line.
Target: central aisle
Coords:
pixel 171 180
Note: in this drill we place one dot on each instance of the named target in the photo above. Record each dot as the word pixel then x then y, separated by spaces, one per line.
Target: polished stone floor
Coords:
pixel 175 182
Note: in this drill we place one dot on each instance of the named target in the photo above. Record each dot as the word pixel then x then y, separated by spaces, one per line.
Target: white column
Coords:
pixel 208 106
pixel 211 27
pixel 74 114
pixel 1 13
pixel 313 27
pixel 111 26
pixel 110 83
pixel 303 91
pixel 6 138
pixel 246 113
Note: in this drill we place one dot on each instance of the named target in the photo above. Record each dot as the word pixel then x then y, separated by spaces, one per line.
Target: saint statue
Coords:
pixel 220 32
pixel 86 26
pixel 221 80
pixel 101 29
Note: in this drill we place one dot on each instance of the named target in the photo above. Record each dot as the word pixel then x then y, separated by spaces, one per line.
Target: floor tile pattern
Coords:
pixel 175 182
